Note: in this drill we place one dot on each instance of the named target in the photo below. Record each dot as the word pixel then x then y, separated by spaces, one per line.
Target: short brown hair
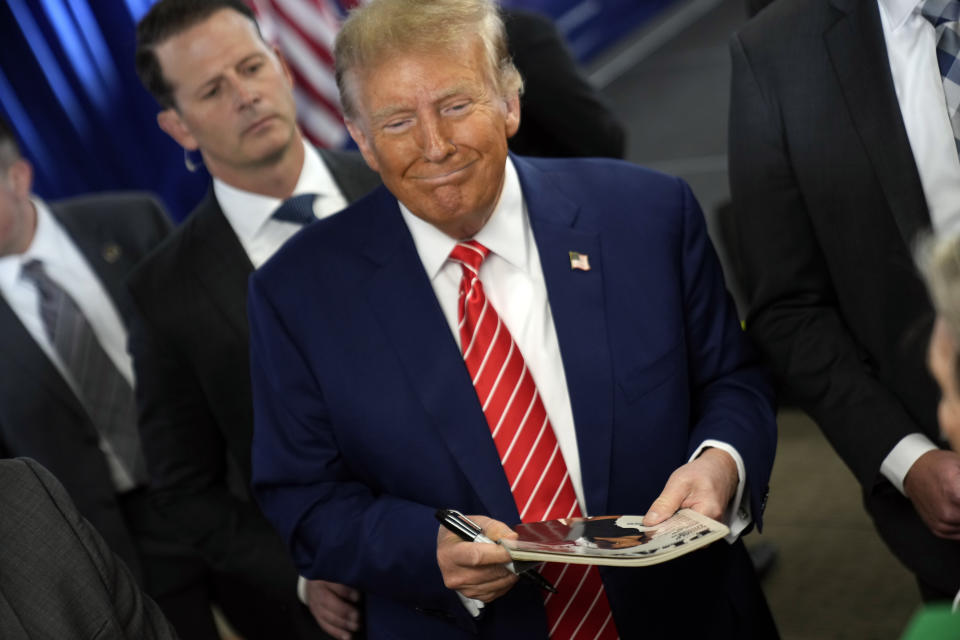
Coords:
pixel 166 19
pixel 382 27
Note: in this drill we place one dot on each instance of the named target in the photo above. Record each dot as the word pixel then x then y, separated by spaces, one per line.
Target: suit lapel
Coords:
pixel 403 301
pixel 577 305
pixel 858 51
pixel 221 264
pixel 18 345
pixel 11 614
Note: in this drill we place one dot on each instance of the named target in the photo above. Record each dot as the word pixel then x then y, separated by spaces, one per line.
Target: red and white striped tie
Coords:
pixel 528 449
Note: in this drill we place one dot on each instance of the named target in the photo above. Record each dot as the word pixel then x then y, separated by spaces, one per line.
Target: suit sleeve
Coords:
pixel 135 613
pixel 188 461
pixel 336 527
pixel 793 310
pixel 731 395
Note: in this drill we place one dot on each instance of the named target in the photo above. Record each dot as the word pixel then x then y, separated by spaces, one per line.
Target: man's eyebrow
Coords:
pixel 387 112
pixel 248 57
pixel 219 75
pixel 391 110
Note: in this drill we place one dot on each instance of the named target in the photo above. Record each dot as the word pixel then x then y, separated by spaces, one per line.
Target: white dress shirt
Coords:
pixel 64 263
pixel 250 213
pixel 911 49
pixel 513 282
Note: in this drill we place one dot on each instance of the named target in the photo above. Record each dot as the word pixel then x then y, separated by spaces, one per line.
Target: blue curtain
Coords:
pixel 68 86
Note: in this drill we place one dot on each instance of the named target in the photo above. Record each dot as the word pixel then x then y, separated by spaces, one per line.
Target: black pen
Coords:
pixel 471 532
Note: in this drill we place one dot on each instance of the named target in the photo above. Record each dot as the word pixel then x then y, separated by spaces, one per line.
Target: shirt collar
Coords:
pixel 45 246
pixel 505 233
pixel 248 211
pixel 898 11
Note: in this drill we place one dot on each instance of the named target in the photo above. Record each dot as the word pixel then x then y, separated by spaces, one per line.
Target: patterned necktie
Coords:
pixel 103 391
pixel 528 449
pixel 943 15
pixel 297 209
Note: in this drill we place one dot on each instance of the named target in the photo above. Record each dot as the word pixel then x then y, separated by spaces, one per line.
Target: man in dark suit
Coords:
pixel 60 578
pixel 841 151
pixel 611 300
pixel 227 94
pixel 79 252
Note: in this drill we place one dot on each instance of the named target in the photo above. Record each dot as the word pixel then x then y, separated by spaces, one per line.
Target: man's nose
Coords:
pixel 244 94
pixel 436 139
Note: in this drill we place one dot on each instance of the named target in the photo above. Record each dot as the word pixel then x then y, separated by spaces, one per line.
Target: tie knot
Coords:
pixel 939 12
pixel 33 271
pixel 297 209
pixel 470 253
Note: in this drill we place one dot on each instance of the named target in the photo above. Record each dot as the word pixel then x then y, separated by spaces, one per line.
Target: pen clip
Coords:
pixel 459 524
pixel 476 529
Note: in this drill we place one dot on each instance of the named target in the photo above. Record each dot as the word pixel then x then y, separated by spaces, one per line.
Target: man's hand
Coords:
pixel 334 607
pixel 933 486
pixel 705 485
pixel 476 569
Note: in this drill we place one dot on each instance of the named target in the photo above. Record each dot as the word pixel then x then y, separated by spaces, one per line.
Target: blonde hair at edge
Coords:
pixel 939 260
pixel 384 27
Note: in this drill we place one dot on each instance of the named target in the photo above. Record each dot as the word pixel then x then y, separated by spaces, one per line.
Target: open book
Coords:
pixel 613 540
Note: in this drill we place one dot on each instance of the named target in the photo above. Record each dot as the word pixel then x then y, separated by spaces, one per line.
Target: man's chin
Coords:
pixel 270 152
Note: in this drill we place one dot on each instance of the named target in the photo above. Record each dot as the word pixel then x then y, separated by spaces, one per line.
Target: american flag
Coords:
pixel 304 31
pixel 579 261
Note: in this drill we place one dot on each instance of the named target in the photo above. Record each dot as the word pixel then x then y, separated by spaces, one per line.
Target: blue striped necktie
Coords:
pixel 103 391
pixel 296 209
pixel 943 15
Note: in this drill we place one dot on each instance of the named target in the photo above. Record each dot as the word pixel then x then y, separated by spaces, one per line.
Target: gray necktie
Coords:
pixel 297 209
pixel 104 392
pixel 944 16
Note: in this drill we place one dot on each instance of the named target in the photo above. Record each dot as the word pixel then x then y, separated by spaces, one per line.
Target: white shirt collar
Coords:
pixel 505 233
pixel 45 246
pixel 247 212
pixel 898 11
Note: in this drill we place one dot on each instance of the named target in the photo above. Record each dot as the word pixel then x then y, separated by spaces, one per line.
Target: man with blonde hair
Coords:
pixel 518 339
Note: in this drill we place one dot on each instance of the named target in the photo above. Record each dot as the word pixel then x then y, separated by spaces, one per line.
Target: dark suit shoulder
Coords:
pixel 589 180
pixel 596 174
pixel 132 211
pixel 172 256
pixel 783 24
pixel 29 478
pixel 110 202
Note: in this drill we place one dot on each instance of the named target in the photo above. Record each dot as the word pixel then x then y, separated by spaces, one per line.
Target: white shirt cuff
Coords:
pixel 898 462
pixel 474 607
pixel 737 516
pixel 302 590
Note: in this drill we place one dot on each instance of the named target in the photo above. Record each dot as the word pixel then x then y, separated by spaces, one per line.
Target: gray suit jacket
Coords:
pixel 58 578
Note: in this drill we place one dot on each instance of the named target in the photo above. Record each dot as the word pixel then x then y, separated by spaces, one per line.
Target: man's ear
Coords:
pixel 174 126
pixel 512 116
pixel 20 177
pixel 358 135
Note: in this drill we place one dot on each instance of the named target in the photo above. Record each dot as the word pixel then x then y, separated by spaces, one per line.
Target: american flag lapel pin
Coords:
pixel 579 261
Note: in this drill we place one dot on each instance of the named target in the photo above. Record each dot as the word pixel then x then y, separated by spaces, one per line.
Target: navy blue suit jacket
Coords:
pixel 366 420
